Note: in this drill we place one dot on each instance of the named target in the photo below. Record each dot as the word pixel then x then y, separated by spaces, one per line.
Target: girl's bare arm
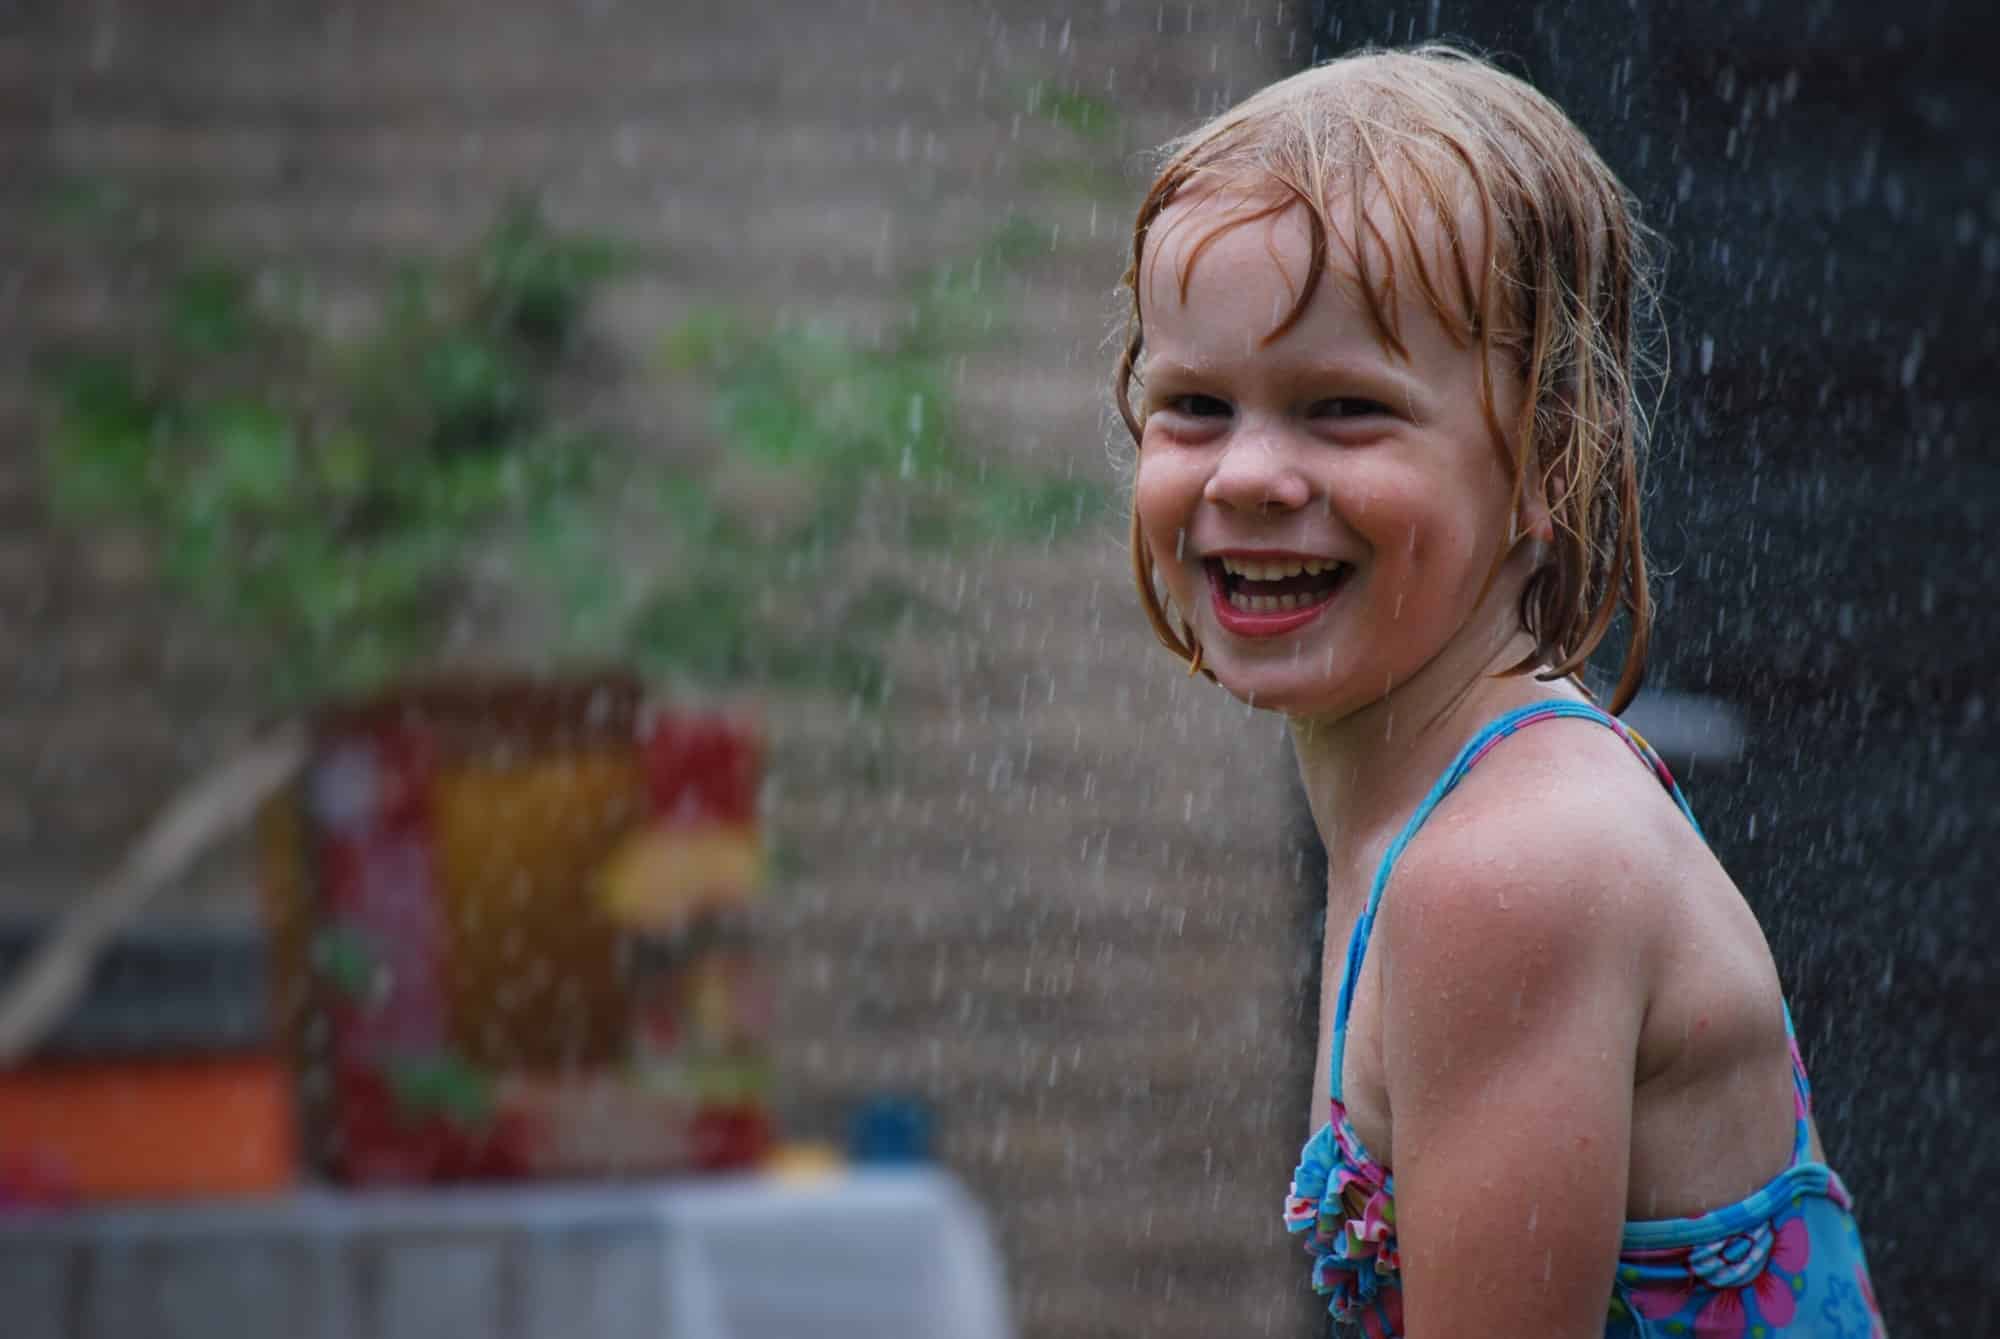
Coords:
pixel 1514 986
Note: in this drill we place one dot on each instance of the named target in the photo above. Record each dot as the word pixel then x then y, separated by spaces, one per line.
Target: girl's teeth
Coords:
pixel 1267 604
pixel 1276 571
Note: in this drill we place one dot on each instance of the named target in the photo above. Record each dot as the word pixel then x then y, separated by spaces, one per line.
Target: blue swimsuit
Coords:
pixel 1786 1263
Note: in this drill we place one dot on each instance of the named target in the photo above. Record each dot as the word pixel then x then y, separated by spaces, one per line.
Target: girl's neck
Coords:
pixel 1366 772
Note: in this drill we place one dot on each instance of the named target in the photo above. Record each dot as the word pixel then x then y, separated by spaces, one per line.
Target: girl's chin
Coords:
pixel 1292 694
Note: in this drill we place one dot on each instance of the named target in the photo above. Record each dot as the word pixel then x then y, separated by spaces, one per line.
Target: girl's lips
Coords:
pixel 1244 623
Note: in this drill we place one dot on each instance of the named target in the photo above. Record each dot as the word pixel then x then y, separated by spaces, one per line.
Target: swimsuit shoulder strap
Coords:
pixel 1801 1095
pixel 1468 757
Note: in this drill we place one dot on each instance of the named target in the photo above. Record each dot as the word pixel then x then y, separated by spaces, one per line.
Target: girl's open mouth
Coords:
pixel 1266 598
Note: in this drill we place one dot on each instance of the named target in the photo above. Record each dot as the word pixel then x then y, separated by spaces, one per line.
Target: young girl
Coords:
pixel 1383 376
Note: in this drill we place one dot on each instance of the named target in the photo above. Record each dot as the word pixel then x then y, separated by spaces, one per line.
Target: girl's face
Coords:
pixel 1323 512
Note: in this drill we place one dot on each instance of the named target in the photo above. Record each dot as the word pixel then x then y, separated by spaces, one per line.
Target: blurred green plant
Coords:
pixel 1088 116
pixel 329 496
pixel 324 495
pixel 850 433
pixel 1087 163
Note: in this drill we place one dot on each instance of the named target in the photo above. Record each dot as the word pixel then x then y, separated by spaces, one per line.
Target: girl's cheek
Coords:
pixel 1163 493
pixel 1163 522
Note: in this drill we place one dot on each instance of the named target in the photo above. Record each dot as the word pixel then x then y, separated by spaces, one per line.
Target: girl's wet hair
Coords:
pixel 1536 253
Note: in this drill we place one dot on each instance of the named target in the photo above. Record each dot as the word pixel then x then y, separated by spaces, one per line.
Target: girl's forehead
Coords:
pixel 1249 251
pixel 1390 226
pixel 1217 226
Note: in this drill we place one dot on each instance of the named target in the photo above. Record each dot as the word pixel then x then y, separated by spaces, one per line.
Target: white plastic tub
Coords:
pixel 867 1255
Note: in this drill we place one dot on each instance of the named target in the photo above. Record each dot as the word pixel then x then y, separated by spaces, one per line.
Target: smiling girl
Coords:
pixel 1382 371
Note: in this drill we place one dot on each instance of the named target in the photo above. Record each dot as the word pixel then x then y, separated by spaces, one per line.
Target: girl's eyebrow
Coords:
pixel 1383 373
pixel 1155 370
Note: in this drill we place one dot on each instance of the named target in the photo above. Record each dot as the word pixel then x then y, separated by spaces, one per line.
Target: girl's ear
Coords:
pixel 1536 519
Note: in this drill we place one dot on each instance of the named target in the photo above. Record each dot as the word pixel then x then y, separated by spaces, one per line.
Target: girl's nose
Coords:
pixel 1256 474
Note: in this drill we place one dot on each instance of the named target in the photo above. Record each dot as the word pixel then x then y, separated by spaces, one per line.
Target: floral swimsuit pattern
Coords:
pixel 1785 1263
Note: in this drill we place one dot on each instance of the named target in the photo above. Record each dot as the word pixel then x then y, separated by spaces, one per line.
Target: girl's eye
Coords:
pixel 1199 406
pixel 1346 407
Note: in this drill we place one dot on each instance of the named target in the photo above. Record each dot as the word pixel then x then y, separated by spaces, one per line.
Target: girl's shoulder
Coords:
pixel 1560 835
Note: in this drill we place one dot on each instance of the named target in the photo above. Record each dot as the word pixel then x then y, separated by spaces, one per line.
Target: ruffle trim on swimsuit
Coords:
pixel 1345 1206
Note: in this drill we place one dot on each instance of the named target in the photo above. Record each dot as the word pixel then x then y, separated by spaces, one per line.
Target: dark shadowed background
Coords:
pixel 1822 496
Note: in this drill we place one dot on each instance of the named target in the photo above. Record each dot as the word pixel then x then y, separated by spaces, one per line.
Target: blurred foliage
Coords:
pixel 331 496
pixel 1090 162
pixel 325 495
pixel 1090 117
pixel 862 436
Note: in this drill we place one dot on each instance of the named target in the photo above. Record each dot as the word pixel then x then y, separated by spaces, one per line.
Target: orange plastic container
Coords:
pixel 92 1130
